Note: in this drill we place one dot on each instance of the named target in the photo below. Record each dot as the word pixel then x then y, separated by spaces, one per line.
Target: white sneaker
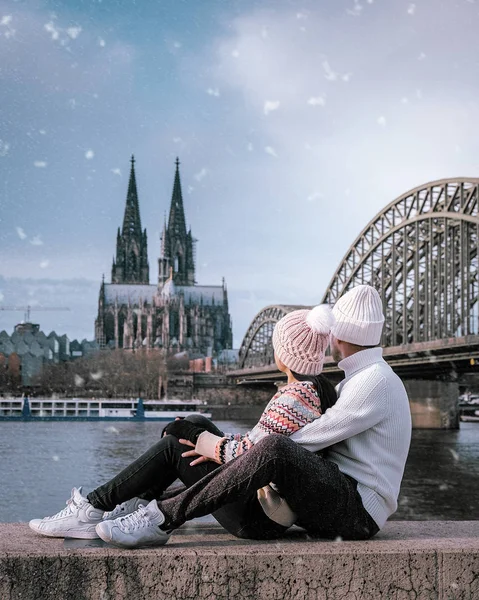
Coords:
pixel 77 520
pixel 125 508
pixel 136 530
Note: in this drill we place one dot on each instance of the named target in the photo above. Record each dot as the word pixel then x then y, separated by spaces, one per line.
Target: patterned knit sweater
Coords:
pixel 292 407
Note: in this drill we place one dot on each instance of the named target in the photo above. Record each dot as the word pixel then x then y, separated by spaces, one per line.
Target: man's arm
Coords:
pixel 355 411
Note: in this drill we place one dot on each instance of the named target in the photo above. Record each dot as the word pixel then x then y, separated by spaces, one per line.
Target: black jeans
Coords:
pixel 326 501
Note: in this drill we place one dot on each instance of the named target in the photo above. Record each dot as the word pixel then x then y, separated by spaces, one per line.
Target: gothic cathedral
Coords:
pixel 176 314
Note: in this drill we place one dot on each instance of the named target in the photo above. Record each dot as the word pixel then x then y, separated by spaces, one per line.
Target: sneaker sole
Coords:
pixel 105 536
pixel 77 535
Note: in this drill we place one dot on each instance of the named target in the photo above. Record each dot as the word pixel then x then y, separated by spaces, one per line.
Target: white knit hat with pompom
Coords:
pixel 301 337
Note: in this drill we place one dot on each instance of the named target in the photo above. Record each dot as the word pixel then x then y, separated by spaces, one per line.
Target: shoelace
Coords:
pixel 135 520
pixel 113 514
pixel 68 510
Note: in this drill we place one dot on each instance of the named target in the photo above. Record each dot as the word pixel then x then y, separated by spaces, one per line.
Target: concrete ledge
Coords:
pixel 421 560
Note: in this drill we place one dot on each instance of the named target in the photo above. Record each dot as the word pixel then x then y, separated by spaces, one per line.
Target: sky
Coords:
pixel 295 123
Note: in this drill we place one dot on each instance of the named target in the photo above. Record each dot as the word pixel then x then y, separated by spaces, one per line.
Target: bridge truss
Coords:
pixel 421 254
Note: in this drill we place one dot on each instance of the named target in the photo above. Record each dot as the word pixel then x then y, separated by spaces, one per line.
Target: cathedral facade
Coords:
pixel 175 314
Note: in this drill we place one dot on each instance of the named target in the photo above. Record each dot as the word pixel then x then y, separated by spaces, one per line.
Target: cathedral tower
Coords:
pixel 131 263
pixel 177 244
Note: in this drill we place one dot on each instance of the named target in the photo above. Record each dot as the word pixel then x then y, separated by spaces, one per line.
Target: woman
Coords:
pixel 116 511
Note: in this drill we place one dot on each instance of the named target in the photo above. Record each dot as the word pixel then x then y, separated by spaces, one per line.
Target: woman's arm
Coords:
pixel 355 411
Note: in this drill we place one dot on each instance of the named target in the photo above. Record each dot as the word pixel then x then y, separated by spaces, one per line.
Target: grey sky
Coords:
pixel 295 123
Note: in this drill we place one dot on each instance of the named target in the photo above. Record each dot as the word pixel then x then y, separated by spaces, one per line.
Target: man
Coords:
pixel 350 492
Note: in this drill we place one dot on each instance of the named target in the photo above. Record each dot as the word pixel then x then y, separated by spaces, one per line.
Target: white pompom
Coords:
pixel 321 319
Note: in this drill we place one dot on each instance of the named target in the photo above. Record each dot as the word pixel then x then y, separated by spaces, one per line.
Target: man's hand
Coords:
pixel 184 429
pixel 188 453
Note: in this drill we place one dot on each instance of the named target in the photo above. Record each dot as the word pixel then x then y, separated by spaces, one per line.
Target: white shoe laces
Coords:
pixel 113 514
pixel 135 520
pixel 68 510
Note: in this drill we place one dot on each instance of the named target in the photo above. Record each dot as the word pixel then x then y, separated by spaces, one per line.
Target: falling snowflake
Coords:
pixel 271 151
pixel 177 140
pixel 455 455
pixel 264 33
pixel 42 131
pixel 73 32
pixel 101 42
pixel 89 154
pixel 314 196
pixel 382 121
pixel 79 381
pixel 6 20
pixel 422 56
pixel 44 264
pixel 41 164
pixel 190 189
pixel 317 101
pixel 21 233
pixel 443 487
pixel 201 175
pixel 4 148
pixel 50 27
pixel 329 74
pixel 404 100
pixel 96 376
pixel 116 171
pixel 213 92
pixel 270 105
pixel 72 102
pixel 235 54
pixel 250 147
pixel 346 77
pixel 356 10
pixel 36 241
pixel 411 9
pixel 55 458
pixel 111 429
pixel 301 15
pixel 177 45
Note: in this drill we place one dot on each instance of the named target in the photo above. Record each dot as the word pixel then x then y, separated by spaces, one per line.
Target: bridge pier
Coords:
pixel 434 403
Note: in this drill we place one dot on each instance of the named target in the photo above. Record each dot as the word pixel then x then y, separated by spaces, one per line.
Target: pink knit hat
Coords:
pixel 301 337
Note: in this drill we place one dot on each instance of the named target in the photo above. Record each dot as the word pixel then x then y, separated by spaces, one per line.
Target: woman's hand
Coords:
pixel 184 429
pixel 188 453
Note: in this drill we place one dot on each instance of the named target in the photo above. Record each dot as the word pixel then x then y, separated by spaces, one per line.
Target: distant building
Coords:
pixel 24 353
pixel 175 313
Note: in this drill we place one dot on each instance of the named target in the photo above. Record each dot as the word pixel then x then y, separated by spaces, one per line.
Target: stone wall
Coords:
pixel 218 390
pixel 433 560
pixel 434 404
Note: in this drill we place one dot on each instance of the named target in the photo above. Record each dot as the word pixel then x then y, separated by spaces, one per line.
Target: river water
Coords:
pixel 41 462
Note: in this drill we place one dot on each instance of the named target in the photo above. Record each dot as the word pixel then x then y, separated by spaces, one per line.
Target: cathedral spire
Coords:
pixel 131 264
pixel 131 220
pixel 177 222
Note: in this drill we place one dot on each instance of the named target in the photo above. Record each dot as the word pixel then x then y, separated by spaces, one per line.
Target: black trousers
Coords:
pixel 326 501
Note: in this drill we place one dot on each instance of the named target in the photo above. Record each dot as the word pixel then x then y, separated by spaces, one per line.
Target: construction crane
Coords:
pixel 28 309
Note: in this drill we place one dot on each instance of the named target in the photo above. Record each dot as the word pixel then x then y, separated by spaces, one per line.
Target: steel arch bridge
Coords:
pixel 421 254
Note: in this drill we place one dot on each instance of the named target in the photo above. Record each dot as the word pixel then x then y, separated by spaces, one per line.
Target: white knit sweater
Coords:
pixel 367 431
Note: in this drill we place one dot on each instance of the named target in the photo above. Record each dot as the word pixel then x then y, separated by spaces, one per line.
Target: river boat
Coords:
pixel 469 412
pixel 101 409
